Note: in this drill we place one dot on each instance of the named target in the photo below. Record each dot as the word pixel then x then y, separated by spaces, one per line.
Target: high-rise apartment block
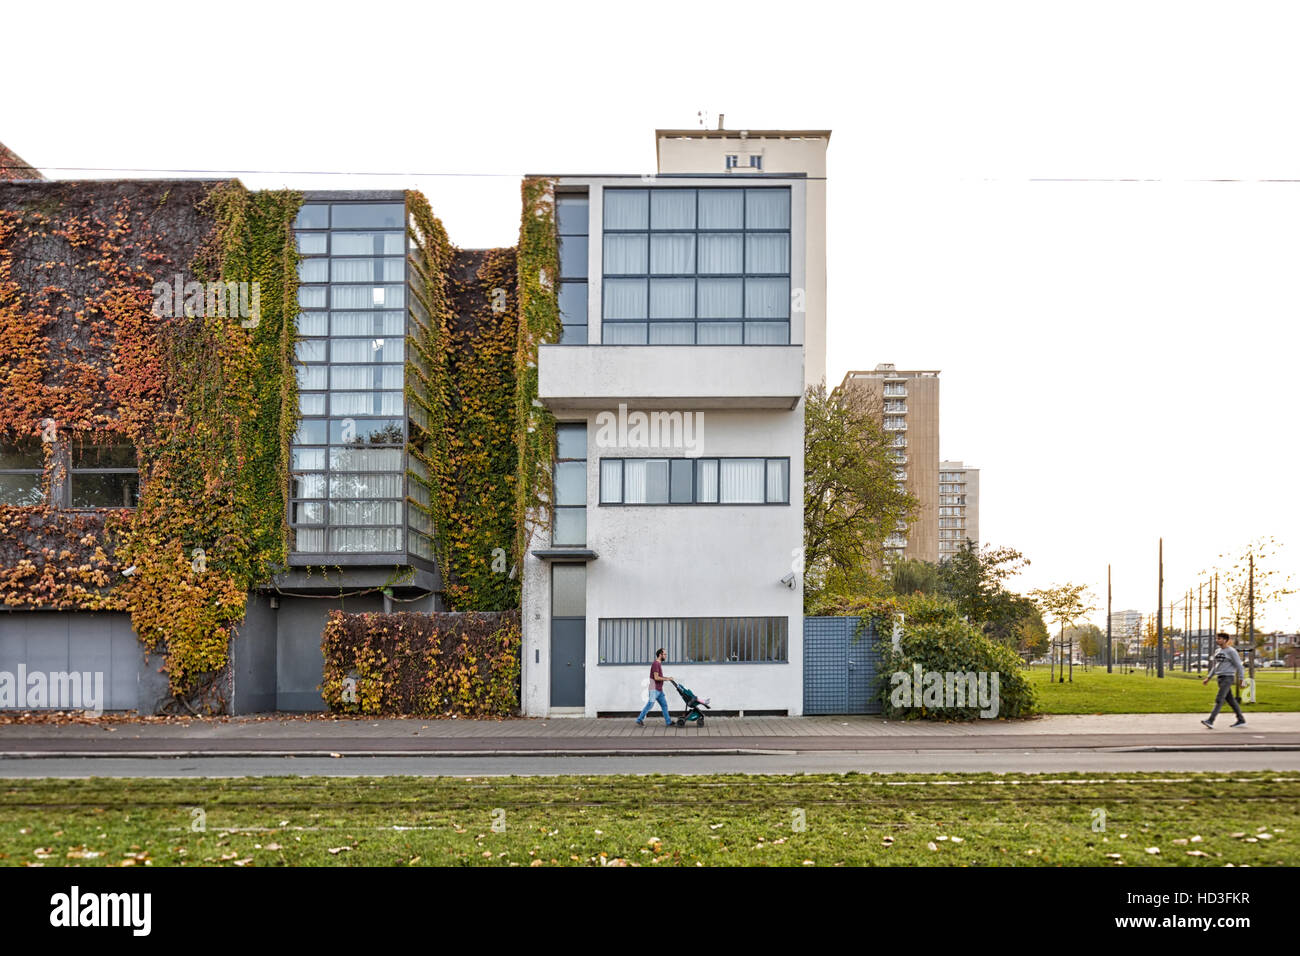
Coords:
pixel 959 507
pixel 910 403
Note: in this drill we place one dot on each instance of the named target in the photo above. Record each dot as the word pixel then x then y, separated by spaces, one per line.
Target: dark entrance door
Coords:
pixel 568 660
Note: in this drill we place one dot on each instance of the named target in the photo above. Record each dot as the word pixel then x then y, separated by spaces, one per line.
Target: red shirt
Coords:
pixel 657 675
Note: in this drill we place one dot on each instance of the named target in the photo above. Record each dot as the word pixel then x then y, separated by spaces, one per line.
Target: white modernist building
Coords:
pixel 693 304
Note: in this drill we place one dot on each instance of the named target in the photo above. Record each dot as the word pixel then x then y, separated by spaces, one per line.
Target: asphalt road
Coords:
pixel 432 765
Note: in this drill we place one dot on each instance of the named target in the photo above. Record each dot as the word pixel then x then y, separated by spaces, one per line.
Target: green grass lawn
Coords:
pixel 1096 692
pixel 979 819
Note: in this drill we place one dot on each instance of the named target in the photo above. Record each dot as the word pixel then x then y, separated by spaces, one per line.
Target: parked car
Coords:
pixel 1275 663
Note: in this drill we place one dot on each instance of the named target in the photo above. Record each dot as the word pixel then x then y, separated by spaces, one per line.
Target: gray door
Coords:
pixel 839 667
pixel 568 660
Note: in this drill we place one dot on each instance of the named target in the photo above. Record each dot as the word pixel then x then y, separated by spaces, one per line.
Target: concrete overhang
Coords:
pixel 667 376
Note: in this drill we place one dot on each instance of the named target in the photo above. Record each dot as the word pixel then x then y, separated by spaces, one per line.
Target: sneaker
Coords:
pixel 1240 723
pixel 640 724
pixel 1208 723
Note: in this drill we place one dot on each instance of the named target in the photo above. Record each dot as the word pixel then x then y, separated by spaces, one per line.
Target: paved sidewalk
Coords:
pixel 318 736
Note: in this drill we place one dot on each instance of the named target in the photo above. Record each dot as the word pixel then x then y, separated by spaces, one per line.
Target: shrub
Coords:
pixel 937 640
pixel 429 665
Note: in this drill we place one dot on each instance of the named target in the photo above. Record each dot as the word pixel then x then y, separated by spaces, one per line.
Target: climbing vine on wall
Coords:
pixel 205 396
pixel 539 323
pixel 464 387
pixel 211 520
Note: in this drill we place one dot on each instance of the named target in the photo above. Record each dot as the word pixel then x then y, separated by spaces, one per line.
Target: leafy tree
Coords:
pixel 1031 635
pixel 910 576
pixel 974 579
pixel 852 501
pixel 1064 604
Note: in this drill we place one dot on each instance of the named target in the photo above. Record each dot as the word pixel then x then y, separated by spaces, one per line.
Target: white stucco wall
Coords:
pixel 683 561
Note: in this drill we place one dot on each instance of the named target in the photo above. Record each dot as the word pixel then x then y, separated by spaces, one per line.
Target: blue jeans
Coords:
pixel 659 698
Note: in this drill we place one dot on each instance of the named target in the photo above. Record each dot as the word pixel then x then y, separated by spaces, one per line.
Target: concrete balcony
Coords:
pixel 698 376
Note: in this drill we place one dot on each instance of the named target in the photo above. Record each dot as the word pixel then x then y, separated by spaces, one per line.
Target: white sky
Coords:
pixel 1117 358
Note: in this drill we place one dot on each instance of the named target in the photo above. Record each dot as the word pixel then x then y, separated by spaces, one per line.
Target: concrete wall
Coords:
pixel 683 561
pixel 101 643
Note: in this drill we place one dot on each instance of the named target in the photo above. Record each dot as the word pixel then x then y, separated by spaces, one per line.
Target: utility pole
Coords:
pixel 1250 601
pixel 1160 614
pixel 1108 651
pixel 1200 633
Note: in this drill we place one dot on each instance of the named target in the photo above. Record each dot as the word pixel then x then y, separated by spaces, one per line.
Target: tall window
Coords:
pixel 348 456
pixel 571 223
pixel 569 527
pixel 696 266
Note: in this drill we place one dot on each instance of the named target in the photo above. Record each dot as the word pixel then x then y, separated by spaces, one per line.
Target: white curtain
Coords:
pixel 311 323
pixel 368 270
pixel 626 208
pixel 625 255
pixel 365 512
pixel 307 459
pixel 311 297
pixel 719 333
pixel 311 378
pixel 368 296
pixel 357 377
pixel 310 542
pixel 611 481
pixel 672 253
pixel 366 403
pixel 365 485
pixel 721 209
pixel 720 298
pixel 350 540
pixel 767 333
pixel 706 481
pixel 366 323
pixel 742 481
pixel 624 298
pixel 672 209
pixel 767 253
pixel 721 253
pixel 767 298
pixel 313 270
pixel 363 243
pixel 623 333
pixel 767 209
pixel 311 404
pixel 778 480
pixel 365 459
pixel 672 298
pixel 310 350
pixel 634 481
pixel 672 333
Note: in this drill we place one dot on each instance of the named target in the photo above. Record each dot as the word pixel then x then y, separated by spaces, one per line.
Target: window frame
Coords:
pixel 695 482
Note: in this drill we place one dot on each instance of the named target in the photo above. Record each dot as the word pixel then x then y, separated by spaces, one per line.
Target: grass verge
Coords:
pixel 1188 819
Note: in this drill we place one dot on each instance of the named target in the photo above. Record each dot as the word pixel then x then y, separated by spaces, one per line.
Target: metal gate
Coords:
pixel 840 663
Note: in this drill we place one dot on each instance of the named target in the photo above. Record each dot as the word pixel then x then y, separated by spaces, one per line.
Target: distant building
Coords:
pixel 911 415
pixel 959 507
pixel 1126 629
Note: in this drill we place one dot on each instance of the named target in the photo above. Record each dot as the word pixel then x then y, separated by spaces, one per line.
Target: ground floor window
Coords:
pixel 695 640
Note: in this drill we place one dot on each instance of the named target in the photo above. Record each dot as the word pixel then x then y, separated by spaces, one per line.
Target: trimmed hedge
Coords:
pixel 427 665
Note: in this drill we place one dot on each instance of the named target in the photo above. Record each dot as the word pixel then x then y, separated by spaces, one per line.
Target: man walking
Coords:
pixel 657 694
pixel 1227 668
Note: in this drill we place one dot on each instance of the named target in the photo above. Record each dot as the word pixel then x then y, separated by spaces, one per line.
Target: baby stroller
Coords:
pixel 693 705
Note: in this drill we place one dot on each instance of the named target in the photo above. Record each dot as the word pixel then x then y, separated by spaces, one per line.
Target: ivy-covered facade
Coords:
pixel 225 413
